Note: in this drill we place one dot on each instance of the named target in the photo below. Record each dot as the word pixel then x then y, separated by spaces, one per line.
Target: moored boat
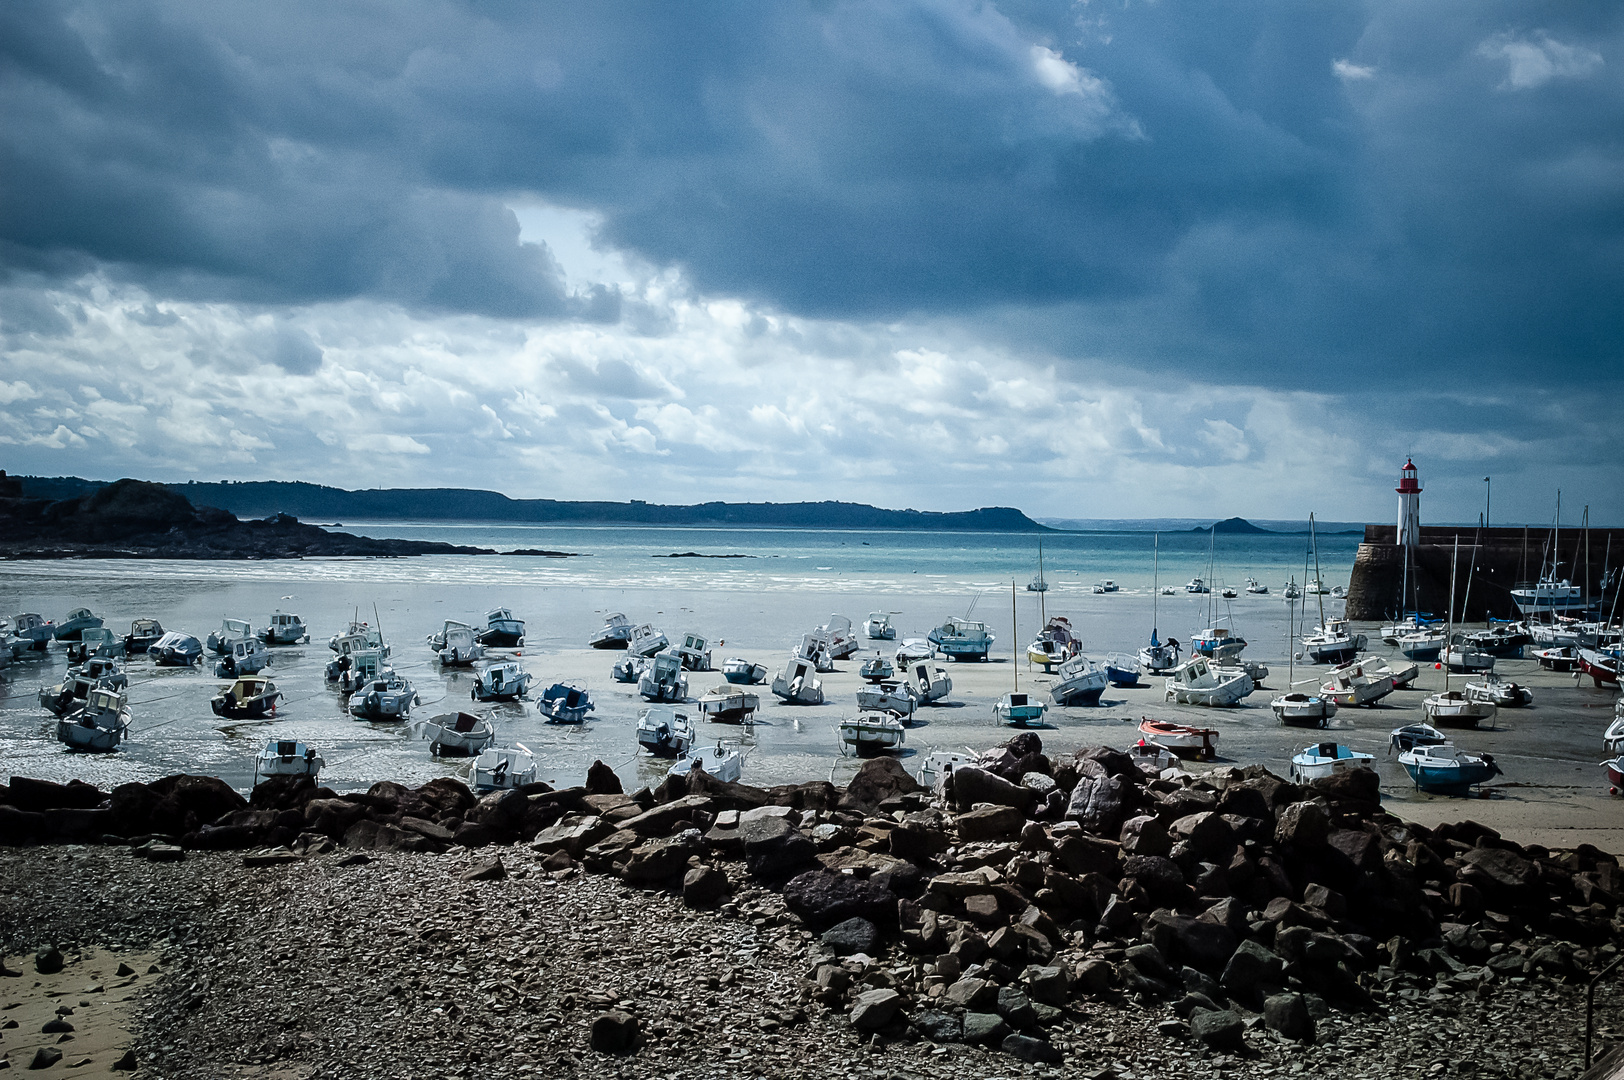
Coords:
pixel 720 762
pixel 1423 645
pixel 1217 643
pixel 1561 658
pixel 665 731
pixel 1197 585
pixel 1256 587
pixel 1445 769
pixel 287 757
pixel 285 628
pixel 1080 681
pixel 249 697
pixel 503 768
pixel 456 645
pixel 1181 739
pixel 878 627
pixel 500 680
pixel 231 631
pixel 1303 710
pixel 1352 685
pixel 1461 656
pixel 694 653
pixel 871 733
pixel 95 641
pixel 386 699
pixel 646 640
pixel 837 637
pixel 913 650
pixel 458 734
pixel 663 679
pixel 962 639
pixel 1327 759
pixel 76 622
pixel 143 634
pixel 1411 736
pixel 1504 695
pixel 798 683
pixel 1017 709
pixel 245 656
pixel 1615 774
pixel 176 649
pixel 97 726
pixel 939 765
pixel 1333 643
pixel 725 705
pixel 1197 682
pixel 877 669
pixel 1601 667
pixel 1122 670
pixel 1403 673
pixel 616 633
pixel 74 689
pixel 736 669
pixel 502 630
pixel 1452 708
pixel 629 668
pixel 930 683
pixel 889 696
pixel 566 703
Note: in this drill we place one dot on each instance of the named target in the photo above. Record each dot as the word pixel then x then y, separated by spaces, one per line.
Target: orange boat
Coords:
pixel 1199 743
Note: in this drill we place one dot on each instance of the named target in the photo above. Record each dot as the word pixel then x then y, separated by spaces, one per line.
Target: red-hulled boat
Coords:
pixel 1601 667
pixel 1199 743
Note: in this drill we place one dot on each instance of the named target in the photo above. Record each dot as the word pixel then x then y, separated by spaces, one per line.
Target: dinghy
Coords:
pixel 1122 670
pixel 663 679
pixel 962 639
pixel 870 734
pixel 725 705
pixel 503 769
pixel 566 703
pixel 231 631
pixel 1352 685
pixel 929 682
pixel 502 630
pixel 646 641
pixel 1411 736
pixel 99 725
pixel 878 627
pixel 1018 709
pixel 500 680
pixel 1560 658
pixel 1153 756
pixel 458 734
pixel 616 633
pixel 287 757
pixel 249 698
pixel 1199 743
pixel 456 645
pixel 1303 710
pixel 719 762
pixel 1504 695
pixel 285 628
pixel 1197 682
pixel 889 696
pixel 877 669
pixel 175 649
pixel 387 699
pixel 75 623
pixel 1444 769
pixel 664 731
pixel 1081 682
pixel 143 634
pixel 629 668
pixel 1452 708
pixel 736 669
pixel 798 684
pixel 246 656
pixel 1324 760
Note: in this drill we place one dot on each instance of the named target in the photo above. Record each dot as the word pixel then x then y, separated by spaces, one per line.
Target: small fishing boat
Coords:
pixel 938 765
pixel 74 689
pixel 1316 587
pixel 1561 658
pixel 1229 594
pixel 629 668
pixel 231 631
pixel 1187 742
pixel 1445 769
pixel 456 645
pixel 663 679
pixel 889 696
pixel 95 641
pixel 287 757
pixel 386 699
pixel 76 622
pixel 458 734
pixel 1018 709
pixel 1151 755
pixel 871 734
pixel 720 762
pixel 878 627
pixel 962 639
pixel 616 633
pixel 1303 710
pixel 1352 685
pixel 1217 643
pixel 1197 682
pixel 1339 592
pixel 913 650
pixel 664 731
pixel 815 647
pixel 1324 760
pixel 502 630
pixel 1197 585
pixel 143 634
pixel 1333 643
pixel 877 669
pixel 725 705
pixel 1411 736
pixel 500 680
pixel 1504 695
pixel 176 649
pixel 1159 656
pixel 736 669
pixel 1046 653
pixel 1291 590
pixel 1460 656
pixel 248 698
pixel 1081 682
pixel 929 682
pixel 646 640
pixel 371 638
pixel 356 669
pixel 31 633
pixel 1411 623
pixel 285 628
pixel 838 638
pixel 1256 670
pixel 1122 670
pixel 1403 673
pixel 1256 587
pixel 1615 774
pixel 1423 645
pixel 798 683
pixel 1504 642
pixel 246 656
pixel 1452 708
pixel 694 653
pixel 566 703
pixel 99 725
pixel 1110 586
pixel 503 768
pixel 1601 667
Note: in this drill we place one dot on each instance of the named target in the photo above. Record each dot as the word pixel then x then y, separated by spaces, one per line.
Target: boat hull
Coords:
pixel 1602 669
pixel 1449 781
pixel 87 738
pixel 1301 710
pixel 1121 677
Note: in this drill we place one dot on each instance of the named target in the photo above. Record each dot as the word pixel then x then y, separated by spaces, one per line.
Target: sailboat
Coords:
pixel 1157 656
pixel 1017 709
pixel 1293 708
pixel 1549 596
pixel 1038 584
pixel 1451 706
pixel 1331 642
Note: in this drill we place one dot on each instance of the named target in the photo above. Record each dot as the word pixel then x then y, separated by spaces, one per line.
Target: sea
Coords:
pixel 752 592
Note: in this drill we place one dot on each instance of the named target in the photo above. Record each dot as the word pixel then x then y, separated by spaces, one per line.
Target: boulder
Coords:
pixel 37 796
pixel 20 826
pixel 659 820
pixel 332 817
pixel 939 1027
pixel 1097 801
pixel 1503 869
pixel 977 995
pixel 878 779
pixel 1158 875
pixel 773 848
pixel 823 899
pixel 615 1032
pixel 1303 825
pixel 984 1027
pixel 1288 1014
pixel 48 961
pixel 484 870
pixel 1030 1048
pixel 971 785
pixel 1206 946
pixel 1252 972
pixel 705 886
pixel 1145 835
pixel 1048 984
pixel 875 1009
pixel 282 793
pixel 447 795
pixel 503 812
pixel 657 862
pixel 1207 835
pixel 1016 1007
pixel 187 803
pixel 572 838
pixel 990 823
pixel 71 824
pixel 601 780
pixel 853 935
pixel 1221 1030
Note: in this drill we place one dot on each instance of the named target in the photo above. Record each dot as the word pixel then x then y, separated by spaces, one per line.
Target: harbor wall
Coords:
pixel 1492 562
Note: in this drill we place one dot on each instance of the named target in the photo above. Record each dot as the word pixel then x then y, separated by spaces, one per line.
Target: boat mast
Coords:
pixel 1449 639
pixel 1043 607
pixel 1015 635
pixel 1586 527
pixel 1155 583
pixel 1313 541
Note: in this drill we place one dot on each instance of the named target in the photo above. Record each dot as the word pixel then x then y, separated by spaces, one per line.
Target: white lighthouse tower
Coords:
pixel 1409 506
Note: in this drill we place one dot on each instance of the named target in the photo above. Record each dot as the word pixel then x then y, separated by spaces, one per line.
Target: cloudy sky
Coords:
pixel 1090 259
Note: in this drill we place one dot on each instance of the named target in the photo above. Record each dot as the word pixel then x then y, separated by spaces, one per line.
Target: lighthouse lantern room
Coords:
pixel 1409 506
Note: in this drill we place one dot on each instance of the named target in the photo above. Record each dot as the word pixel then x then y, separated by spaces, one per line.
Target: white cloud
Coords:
pixel 1535 60
pixel 1348 71
pixel 1061 75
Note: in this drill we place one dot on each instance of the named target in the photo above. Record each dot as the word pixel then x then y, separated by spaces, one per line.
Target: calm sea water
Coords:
pixel 760 606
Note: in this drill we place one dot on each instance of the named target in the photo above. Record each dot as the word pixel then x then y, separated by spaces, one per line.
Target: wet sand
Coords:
pixel 88 995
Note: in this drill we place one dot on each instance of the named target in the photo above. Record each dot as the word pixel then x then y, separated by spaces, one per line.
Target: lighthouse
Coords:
pixel 1409 506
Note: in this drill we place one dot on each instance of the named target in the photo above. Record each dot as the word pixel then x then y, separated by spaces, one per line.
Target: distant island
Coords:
pixel 1232 525
pixel 697 555
pixel 267 498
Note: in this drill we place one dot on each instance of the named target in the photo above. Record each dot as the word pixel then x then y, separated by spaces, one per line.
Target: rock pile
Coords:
pixel 991 910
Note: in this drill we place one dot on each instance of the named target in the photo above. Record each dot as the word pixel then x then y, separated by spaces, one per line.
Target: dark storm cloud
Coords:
pixel 1268 190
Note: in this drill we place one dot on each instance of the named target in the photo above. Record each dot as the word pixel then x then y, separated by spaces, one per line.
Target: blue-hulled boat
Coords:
pixel 566 704
pixel 1019 710
pixel 1121 671
pixel 1445 769
pixel 962 639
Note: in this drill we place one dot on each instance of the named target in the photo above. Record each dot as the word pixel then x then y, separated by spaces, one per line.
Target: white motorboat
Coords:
pixel 1352 685
pixel 1323 760
pixel 74 689
pixel 175 649
pixel 1122 670
pixel 1256 587
pixel 877 669
pixel 347 646
pixel 1291 590
pixel 355 670
pixel 1159 656
pixel 665 731
pixel 1422 645
pixel 285 628
pixel 566 703
pixel 962 639
pixel 76 622
pixel 143 633
pixel 1613 738
pixel 1403 673
pixel 1555 635
pixel 99 725
pixel 889 696
pixel 1339 592
pixel 929 682
pixel 1197 585
pixel 798 683
pixel 231 630
pixel 629 668
pixel 1229 594
pixel 939 765
pixel 837 637
pixel 1562 658
pixel 1333 643
pixel 503 768
pixel 1018 709
pixel 694 653
pixel 815 647
pixel 1411 736
pixel 386 699
pixel 31 633
pixel 371 638
pixel 646 640
pixel 725 704
pixel 720 762
pixel 663 679
pixel 1460 656
pixel 95 641
pixel 1412 623
pixel 912 650
pixel 1197 682
pixel 1505 695
pixel 872 733
pixel 878 627
pixel 1045 652
pixel 245 656
pixel 736 669
pixel 457 645
pixel 616 633
pixel 1303 710
pixel 458 734
pixel 500 680
pixel 1452 708
pixel 287 757
pixel 1316 587
pixel 1181 739
pixel 1081 682
pixel 1109 586
pixel 1217 643
pixel 248 698
pixel 1255 669
pixel 1547 596
pixel 502 630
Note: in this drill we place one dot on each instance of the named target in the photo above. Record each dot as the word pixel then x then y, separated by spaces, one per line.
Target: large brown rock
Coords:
pixel 1502 869
pixel 878 779
pixel 333 817
pixel 1097 801
pixel 448 795
pixel 187 803
pixel 658 862
pixel 658 821
pixel 37 796
pixel 773 847
pixel 601 780
pixel 1302 825
pixel 971 785
pixel 823 899
pixel 990 823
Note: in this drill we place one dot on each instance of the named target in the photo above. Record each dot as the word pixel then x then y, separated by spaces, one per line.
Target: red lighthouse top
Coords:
pixel 1408 483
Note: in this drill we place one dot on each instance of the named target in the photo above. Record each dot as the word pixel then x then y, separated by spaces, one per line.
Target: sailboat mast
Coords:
pixel 1043 606
pixel 1313 541
pixel 1015 635
pixel 1155 583
pixel 1449 639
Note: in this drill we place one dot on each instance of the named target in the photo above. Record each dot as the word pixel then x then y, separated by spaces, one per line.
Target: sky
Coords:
pixel 1091 260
